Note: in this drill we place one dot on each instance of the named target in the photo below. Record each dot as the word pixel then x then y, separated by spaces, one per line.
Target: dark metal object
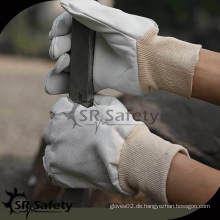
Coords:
pixel 81 88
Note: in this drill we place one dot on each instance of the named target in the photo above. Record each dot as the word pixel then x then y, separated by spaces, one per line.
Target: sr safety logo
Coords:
pixel 18 203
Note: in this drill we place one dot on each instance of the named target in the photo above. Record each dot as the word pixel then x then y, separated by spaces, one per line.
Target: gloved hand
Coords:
pixel 104 147
pixel 129 55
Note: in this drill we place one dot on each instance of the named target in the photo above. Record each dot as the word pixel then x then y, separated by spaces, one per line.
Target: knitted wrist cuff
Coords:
pixel 166 63
pixel 144 163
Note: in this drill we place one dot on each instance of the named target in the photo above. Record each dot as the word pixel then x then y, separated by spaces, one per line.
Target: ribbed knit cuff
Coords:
pixel 166 63
pixel 145 162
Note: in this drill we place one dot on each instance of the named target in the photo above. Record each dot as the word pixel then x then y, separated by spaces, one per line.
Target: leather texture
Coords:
pixel 84 144
pixel 115 61
pixel 103 147
pixel 129 57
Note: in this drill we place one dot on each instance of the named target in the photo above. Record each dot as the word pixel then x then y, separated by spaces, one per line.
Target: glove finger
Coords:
pixel 46 160
pixel 57 80
pixel 63 105
pixel 57 84
pixel 106 19
pixel 59 46
pixel 78 114
pixel 50 134
pixel 106 100
pixel 62 64
pixel 61 25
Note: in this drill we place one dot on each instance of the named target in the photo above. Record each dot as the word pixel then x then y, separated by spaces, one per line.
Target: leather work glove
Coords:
pixel 103 147
pixel 129 55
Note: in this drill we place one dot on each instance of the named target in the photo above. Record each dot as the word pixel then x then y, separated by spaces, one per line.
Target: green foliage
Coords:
pixel 27 34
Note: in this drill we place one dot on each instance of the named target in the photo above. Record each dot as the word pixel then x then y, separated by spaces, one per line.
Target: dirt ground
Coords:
pixel 24 105
pixel 24 112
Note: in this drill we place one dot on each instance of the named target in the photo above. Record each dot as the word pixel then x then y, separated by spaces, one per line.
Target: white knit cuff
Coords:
pixel 145 162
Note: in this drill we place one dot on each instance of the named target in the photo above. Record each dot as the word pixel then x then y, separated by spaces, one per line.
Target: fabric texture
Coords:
pixel 145 162
pixel 166 63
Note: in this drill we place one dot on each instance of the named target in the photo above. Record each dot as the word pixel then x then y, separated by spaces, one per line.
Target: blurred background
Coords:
pixel 24 106
pixel 196 21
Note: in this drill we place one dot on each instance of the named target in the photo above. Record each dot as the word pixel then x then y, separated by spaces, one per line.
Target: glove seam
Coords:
pixel 100 22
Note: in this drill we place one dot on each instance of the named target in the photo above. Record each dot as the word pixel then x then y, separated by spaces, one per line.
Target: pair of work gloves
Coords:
pixel 103 146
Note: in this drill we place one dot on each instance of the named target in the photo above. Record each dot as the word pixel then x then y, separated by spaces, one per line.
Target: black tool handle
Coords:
pixel 81 89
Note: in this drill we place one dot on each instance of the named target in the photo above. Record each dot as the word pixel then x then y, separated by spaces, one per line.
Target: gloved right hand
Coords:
pixel 129 55
pixel 104 147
